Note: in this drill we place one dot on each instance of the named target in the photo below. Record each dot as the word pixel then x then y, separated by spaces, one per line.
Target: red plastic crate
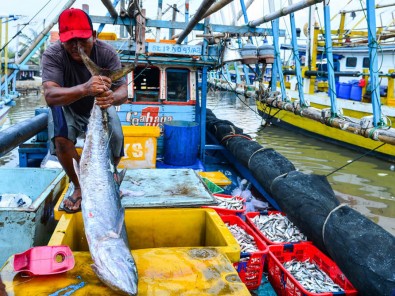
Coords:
pixel 285 284
pixel 269 242
pixel 250 266
pixel 225 212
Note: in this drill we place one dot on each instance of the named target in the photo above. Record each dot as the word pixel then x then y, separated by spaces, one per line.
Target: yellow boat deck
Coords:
pixel 161 271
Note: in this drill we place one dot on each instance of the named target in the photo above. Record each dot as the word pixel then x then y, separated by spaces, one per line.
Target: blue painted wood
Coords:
pixel 329 56
pixel 373 66
pixel 236 30
pixel 154 115
pixel 176 49
pixel 23 228
pixel 101 26
pixel 277 61
pixel 297 60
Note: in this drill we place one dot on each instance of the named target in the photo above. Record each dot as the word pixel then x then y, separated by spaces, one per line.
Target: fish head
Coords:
pixel 115 266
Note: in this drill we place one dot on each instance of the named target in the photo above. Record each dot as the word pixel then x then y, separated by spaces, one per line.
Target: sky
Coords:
pixel 39 13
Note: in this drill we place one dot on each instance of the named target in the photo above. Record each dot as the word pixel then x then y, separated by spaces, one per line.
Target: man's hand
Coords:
pixel 97 85
pixel 105 99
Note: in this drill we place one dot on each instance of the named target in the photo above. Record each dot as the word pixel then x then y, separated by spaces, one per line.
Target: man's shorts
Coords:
pixel 64 122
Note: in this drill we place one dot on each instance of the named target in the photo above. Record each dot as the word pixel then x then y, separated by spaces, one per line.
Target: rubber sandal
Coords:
pixel 67 209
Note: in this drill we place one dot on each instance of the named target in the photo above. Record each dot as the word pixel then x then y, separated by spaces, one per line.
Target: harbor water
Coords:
pixel 367 185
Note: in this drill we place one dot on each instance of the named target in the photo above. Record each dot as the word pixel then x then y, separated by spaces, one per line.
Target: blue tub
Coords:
pixel 344 90
pixel 181 142
pixel 356 92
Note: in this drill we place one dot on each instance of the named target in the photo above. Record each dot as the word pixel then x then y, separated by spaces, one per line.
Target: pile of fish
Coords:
pixel 230 203
pixel 247 242
pixel 278 228
pixel 311 277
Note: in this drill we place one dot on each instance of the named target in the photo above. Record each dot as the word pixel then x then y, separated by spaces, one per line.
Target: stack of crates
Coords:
pixel 250 266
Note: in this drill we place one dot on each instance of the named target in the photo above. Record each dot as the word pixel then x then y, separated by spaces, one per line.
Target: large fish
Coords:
pixel 101 207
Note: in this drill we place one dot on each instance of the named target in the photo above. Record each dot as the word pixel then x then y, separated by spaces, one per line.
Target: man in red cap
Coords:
pixel 70 92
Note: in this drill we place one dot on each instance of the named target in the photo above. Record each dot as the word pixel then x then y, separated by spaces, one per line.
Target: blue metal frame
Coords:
pixel 277 62
pixel 182 25
pixel 297 60
pixel 373 68
pixel 101 26
pixel 329 57
pixel 203 113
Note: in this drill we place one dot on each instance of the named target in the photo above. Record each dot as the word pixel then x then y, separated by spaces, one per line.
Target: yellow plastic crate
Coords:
pixel 158 228
pixel 107 36
pixel 217 178
pixel 140 147
pixel 162 271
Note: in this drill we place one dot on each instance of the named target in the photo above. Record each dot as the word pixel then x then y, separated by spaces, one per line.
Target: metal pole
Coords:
pixel 296 57
pixel 159 17
pixel 110 7
pixel 215 7
pixel 203 115
pixel 111 11
pixel 373 67
pixel 277 66
pixel 186 17
pixel 240 13
pixel 329 57
pixel 171 31
pixel 43 33
pixel 6 58
pixel 282 12
pixel 206 4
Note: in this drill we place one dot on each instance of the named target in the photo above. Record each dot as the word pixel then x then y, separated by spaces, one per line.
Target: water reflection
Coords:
pixel 367 185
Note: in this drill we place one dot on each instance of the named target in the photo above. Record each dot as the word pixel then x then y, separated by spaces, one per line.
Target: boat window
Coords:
pixel 177 85
pixel 366 62
pixel 351 62
pixel 146 84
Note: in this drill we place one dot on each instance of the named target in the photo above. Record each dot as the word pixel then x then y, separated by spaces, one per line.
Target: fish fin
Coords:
pixel 120 176
pixel 115 75
pixel 76 168
pixel 96 70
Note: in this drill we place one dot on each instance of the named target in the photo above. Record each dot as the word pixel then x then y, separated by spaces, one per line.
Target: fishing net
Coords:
pixel 307 200
pixel 242 148
pixel 364 251
pixel 268 164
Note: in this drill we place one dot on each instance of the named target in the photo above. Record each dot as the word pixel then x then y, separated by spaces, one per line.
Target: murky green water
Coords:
pixel 367 185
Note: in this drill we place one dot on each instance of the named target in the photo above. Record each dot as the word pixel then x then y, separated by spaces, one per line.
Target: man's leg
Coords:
pixel 66 152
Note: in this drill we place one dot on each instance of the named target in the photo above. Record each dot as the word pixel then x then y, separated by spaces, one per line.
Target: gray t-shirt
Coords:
pixel 59 67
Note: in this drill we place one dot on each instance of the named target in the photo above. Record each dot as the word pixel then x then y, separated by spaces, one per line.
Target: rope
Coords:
pixel 261 149
pixel 234 136
pixel 327 217
pixel 359 157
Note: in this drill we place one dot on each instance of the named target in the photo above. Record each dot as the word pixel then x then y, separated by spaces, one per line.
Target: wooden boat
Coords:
pixel 187 242
pixel 353 100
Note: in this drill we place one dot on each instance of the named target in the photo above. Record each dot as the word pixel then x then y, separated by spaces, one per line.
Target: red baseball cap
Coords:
pixel 74 23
